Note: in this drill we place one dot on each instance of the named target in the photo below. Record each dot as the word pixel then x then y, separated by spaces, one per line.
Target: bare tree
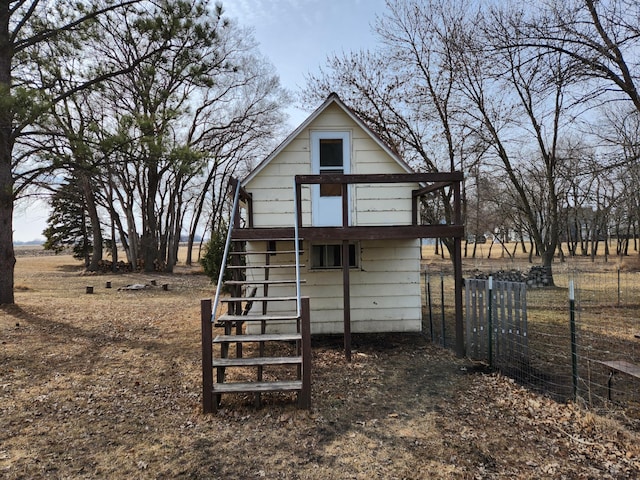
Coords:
pixel 165 136
pixel 405 90
pixel 601 38
pixel 32 33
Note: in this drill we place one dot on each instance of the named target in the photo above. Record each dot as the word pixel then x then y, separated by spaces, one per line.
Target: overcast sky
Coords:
pixel 296 36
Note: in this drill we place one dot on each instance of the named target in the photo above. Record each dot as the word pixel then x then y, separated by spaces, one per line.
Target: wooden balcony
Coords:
pixel 431 182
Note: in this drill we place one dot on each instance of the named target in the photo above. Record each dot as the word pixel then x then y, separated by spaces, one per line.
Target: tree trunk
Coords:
pixel 7 254
pixel 96 230
pixel 149 241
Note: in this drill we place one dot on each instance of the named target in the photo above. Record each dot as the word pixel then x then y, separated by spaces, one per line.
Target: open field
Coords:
pixel 108 386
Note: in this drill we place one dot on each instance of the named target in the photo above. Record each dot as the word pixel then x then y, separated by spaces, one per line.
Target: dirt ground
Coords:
pixel 108 385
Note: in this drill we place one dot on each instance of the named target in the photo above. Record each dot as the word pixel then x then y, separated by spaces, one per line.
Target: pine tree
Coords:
pixel 68 223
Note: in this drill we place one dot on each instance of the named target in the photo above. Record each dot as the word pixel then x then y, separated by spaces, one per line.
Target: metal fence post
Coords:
pixel 490 321
pixel 444 340
pixel 572 326
pixel 427 280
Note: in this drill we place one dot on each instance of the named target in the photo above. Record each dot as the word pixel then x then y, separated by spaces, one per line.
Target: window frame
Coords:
pixel 326 255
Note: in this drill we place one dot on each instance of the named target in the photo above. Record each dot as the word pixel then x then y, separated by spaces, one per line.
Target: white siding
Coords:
pixel 385 289
pixel 380 204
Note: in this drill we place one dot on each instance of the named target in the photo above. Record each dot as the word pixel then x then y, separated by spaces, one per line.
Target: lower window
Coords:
pixel 330 256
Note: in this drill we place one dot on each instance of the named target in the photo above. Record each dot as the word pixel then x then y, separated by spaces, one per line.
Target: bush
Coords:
pixel 211 261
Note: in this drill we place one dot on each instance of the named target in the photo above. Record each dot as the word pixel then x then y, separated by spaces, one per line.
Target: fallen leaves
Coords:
pixel 117 383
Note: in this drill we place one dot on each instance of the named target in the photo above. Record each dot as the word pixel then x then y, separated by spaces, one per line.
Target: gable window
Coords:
pixel 331 161
pixel 330 154
pixel 330 256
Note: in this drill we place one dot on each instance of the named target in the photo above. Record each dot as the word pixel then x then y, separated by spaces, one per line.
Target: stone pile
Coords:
pixel 540 277
pixel 536 278
pixel 501 275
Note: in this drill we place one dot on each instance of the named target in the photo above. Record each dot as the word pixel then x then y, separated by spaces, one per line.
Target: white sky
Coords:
pixel 296 36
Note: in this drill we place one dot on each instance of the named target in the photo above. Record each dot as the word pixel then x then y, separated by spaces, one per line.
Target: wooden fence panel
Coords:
pixel 508 317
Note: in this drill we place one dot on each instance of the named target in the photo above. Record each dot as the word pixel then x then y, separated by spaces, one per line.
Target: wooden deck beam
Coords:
pixel 389 232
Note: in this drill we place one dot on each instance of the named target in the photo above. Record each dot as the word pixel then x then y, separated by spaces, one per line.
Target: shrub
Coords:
pixel 211 261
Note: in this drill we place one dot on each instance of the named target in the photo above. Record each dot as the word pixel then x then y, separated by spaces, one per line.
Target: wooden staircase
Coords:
pixel 268 351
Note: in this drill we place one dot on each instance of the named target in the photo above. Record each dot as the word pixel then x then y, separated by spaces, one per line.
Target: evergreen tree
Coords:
pixel 68 223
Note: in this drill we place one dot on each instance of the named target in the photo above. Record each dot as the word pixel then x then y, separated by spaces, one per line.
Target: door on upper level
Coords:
pixel 330 153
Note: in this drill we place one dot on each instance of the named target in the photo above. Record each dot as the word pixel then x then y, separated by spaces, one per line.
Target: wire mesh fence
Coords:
pixel 586 349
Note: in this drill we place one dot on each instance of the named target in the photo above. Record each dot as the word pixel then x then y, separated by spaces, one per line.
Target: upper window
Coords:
pixel 330 154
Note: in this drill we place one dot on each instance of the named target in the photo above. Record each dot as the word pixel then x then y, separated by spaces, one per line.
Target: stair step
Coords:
pixel 253 266
pixel 257 299
pixel 264 337
pixel 249 387
pixel 278 239
pixel 263 252
pixel 256 361
pixel 261 282
pixel 256 318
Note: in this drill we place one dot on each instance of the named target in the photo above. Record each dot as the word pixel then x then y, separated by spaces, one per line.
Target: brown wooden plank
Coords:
pixel 346 300
pixel 269 337
pixel 260 282
pixel 256 361
pixel 358 233
pixel 208 405
pixel 249 387
pixel 381 178
pixel 304 398
pixel 263 252
pixel 256 318
pixel 275 234
pixel 256 266
pixel 623 366
pixel 257 299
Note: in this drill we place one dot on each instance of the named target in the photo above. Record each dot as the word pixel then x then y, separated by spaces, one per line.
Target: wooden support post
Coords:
pixel 457 267
pixel 346 282
pixel 299 203
pixel 304 400
pixel 208 405
pixel 346 292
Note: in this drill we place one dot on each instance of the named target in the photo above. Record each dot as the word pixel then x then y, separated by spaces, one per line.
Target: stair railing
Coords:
pixel 296 235
pixel 227 245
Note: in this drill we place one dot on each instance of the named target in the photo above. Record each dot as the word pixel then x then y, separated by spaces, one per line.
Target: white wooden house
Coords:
pixel 383 278
pixel 326 240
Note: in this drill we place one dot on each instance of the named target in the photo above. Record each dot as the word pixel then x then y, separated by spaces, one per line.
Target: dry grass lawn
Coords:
pixel 109 386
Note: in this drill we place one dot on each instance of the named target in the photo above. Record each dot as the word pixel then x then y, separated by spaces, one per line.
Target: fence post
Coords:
pixel 618 286
pixel 444 339
pixel 490 321
pixel 572 326
pixel 427 280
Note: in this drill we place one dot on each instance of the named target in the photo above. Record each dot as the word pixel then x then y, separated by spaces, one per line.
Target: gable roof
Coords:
pixel 332 99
